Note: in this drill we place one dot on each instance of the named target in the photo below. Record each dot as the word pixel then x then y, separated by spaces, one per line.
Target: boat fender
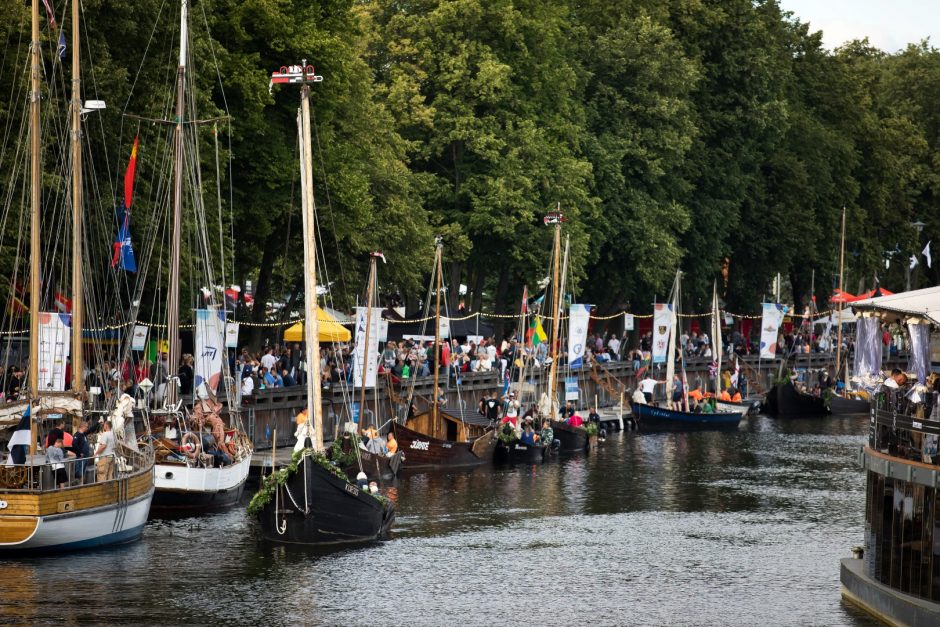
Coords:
pixel 556 444
pixel 602 434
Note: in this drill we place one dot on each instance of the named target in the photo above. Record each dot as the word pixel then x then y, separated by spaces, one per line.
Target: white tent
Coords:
pixel 923 303
pixel 847 317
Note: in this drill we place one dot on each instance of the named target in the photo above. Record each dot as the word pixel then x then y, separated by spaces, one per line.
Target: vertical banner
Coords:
pixel 139 339
pixel 371 351
pixel 209 340
pixel 868 346
pixel 627 322
pixel 54 346
pixel 578 318
pixel 383 330
pixel 769 327
pixel 231 335
pixel 571 388
pixel 662 325
pixel 920 350
pixel 444 326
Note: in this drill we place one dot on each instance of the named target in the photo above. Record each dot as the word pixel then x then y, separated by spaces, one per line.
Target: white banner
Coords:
pixel 231 335
pixel 383 330
pixel 579 316
pixel 54 346
pixel 662 325
pixel 209 340
pixel 627 322
pixel 769 327
pixel 444 327
pixel 372 350
pixel 139 339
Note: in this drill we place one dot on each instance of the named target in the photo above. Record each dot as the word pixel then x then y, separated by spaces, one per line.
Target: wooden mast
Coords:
pixel 173 295
pixel 839 314
pixel 435 409
pixel 311 324
pixel 35 199
pixel 78 381
pixel 553 370
pixel 365 345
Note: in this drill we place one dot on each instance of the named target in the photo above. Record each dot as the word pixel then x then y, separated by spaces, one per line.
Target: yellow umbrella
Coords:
pixel 330 330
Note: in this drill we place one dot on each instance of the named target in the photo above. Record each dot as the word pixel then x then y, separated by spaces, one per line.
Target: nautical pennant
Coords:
pixel 926 254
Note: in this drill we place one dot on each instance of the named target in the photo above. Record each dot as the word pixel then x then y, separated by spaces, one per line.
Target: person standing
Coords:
pixel 105 453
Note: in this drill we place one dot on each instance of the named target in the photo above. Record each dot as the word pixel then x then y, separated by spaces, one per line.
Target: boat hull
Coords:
pixel 183 489
pixel 117 522
pixel 747 407
pixel 572 439
pixel 518 453
pixel 422 451
pixel 891 606
pixel 843 405
pixel 315 507
pixel 785 400
pixel 652 418
pixel 376 467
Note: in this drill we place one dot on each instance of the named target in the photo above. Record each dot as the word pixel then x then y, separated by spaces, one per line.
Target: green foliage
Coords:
pixel 507 434
pixel 272 482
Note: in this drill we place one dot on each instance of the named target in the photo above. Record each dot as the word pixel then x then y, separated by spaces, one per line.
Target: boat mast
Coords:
pixel 34 198
pixel 716 337
pixel 523 358
pixel 839 314
pixel 311 323
pixel 173 295
pixel 671 350
pixel 365 345
pixel 553 371
pixel 78 381
pixel 435 409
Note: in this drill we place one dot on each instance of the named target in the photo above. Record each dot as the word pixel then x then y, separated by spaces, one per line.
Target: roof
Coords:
pixel 469 416
pixel 925 303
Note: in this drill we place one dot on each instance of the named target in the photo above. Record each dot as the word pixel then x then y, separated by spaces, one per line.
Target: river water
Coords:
pixel 742 528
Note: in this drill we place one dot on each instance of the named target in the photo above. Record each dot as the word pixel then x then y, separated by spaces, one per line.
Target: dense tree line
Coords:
pixel 719 137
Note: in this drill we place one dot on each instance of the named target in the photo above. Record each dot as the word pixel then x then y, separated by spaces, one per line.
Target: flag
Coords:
pixel 914 261
pixel 123 248
pixel 525 299
pixel 50 14
pixel 19 440
pixel 62 304
pixel 926 254
pixel 536 334
pixel 62 48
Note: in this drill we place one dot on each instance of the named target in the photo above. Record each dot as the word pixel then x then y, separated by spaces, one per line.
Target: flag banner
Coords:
pixel 571 388
pixel 868 346
pixel 729 320
pixel 231 335
pixel 926 254
pixel 444 327
pixel 383 330
pixel 919 361
pixel 62 304
pixel 371 352
pixel 769 327
pixel 536 334
pixel 914 261
pixel 662 325
pixel 139 338
pixel 210 332
pixel 627 322
pixel 579 316
pixel 123 248
pixel 50 13
pixel 54 345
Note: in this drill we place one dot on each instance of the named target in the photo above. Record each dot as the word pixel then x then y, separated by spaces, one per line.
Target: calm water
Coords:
pixel 739 528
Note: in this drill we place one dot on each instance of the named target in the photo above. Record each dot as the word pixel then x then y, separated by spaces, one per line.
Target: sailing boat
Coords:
pixel 509 447
pixel 654 418
pixel 571 438
pixel 311 501
pixel 45 507
pixel 195 472
pixel 376 466
pixel 440 437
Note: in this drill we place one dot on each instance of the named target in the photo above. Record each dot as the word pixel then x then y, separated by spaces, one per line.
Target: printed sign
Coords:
pixel 371 351
pixel 571 388
pixel 139 339
pixel 627 322
pixel 579 316
pixel 231 335
pixel 662 325
pixel 769 327
pixel 209 332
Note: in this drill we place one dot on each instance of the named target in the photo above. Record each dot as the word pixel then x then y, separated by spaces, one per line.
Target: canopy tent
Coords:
pixel 847 317
pixel 875 293
pixel 840 296
pixel 330 329
pixel 922 303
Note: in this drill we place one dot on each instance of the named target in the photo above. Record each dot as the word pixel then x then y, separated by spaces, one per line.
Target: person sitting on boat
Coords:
pixel 708 407
pixel 391 445
pixel 696 394
pixel 547 434
pixel 724 396
pixel 529 437
pixel 735 394
pixel 575 420
pixel 56 454
pixel 896 380
pixel 376 444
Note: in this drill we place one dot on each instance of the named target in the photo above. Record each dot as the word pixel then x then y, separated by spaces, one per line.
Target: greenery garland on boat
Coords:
pixel 280 477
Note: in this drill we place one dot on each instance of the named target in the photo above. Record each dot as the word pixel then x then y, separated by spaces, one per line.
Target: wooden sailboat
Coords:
pixel 188 478
pixel 655 418
pixel 440 437
pixel 36 514
pixel 312 502
pixel 571 439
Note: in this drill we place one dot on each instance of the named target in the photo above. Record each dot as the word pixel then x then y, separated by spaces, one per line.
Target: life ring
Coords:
pixel 192 449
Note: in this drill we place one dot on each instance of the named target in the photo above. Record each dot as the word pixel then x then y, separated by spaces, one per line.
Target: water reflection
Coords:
pixel 704 528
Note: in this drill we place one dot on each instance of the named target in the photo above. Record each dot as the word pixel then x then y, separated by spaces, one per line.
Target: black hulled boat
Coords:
pixel 784 399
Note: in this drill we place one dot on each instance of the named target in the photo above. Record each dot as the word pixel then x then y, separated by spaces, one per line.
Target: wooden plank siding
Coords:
pixel 78 497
